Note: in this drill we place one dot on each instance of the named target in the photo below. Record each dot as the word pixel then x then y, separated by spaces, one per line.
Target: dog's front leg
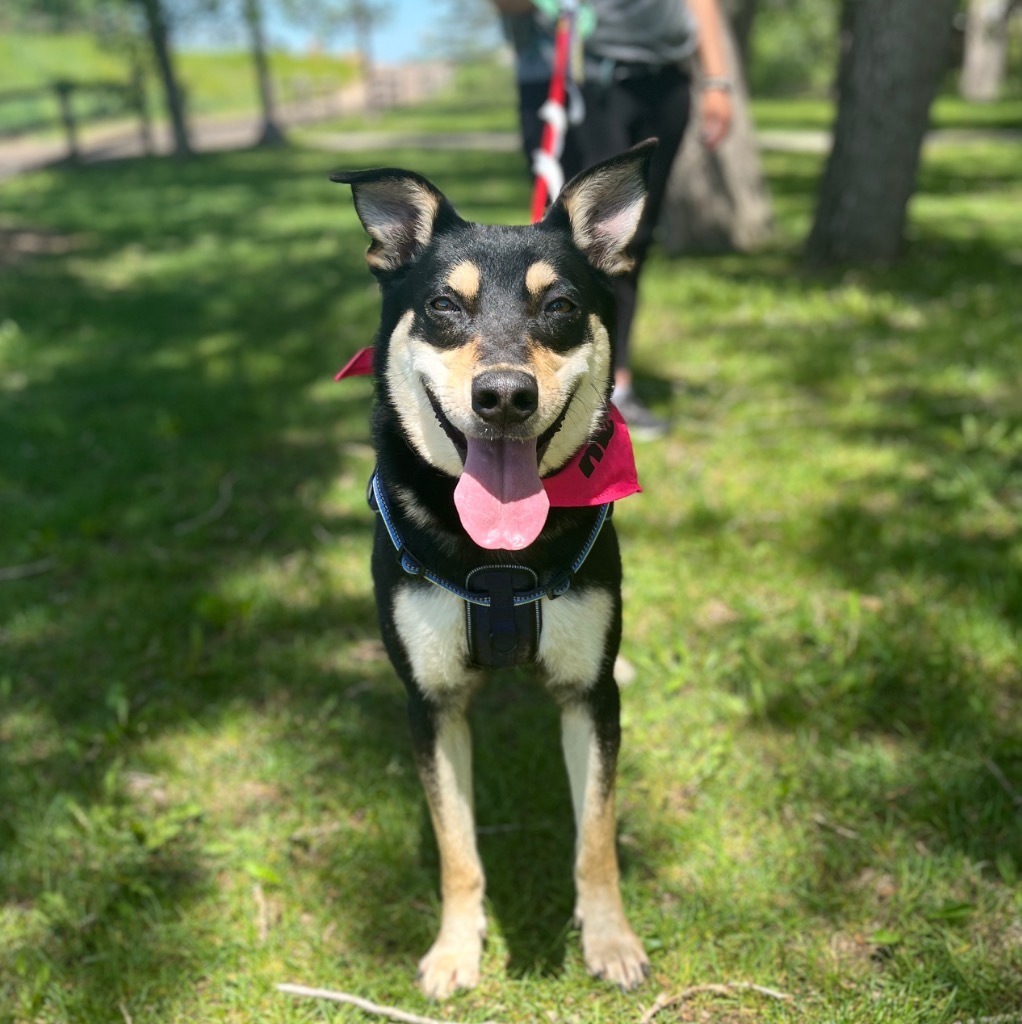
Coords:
pixel 446 772
pixel 581 677
pixel 590 735
pixel 426 638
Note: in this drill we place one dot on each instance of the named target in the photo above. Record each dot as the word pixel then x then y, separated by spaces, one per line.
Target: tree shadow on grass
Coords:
pixel 525 836
pixel 179 456
pixel 168 442
pixel 894 690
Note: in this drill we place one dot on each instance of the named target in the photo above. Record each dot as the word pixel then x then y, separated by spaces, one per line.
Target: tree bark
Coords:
pixel 742 15
pixel 271 134
pixel 887 81
pixel 159 39
pixel 986 50
pixel 718 201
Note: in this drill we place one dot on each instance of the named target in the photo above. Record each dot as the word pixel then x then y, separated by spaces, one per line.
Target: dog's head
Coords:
pixel 495 345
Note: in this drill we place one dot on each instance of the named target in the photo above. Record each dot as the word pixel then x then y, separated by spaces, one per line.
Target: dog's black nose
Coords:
pixel 504 397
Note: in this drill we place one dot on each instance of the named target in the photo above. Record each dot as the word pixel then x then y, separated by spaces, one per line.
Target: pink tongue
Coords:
pixel 499 496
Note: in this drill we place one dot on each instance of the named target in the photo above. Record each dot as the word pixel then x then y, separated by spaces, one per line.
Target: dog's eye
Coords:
pixel 560 305
pixel 442 304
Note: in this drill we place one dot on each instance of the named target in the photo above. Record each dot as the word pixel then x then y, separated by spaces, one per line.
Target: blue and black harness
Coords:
pixel 502 602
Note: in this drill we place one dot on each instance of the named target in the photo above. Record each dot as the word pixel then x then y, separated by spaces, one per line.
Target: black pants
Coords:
pixel 619 114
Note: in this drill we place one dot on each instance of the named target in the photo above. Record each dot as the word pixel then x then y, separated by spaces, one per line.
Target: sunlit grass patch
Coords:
pixel 204 769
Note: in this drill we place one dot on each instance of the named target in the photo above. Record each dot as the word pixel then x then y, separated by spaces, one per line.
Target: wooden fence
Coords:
pixel 67 105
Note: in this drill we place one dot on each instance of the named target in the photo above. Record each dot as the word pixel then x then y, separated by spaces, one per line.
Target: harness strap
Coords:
pixel 559 584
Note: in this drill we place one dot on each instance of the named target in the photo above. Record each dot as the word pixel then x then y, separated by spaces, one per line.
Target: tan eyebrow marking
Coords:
pixel 539 276
pixel 465 279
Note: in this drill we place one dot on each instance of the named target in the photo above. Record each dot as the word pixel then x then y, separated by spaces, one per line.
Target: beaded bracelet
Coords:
pixel 721 82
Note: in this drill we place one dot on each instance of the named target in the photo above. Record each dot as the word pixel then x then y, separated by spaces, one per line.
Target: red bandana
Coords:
pixel 602 471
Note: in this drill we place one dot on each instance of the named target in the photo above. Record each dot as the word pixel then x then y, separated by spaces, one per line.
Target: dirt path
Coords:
pixel 397 86
pixel 392 86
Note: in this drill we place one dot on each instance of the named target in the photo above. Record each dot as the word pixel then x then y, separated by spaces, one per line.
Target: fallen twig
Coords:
pixel 214 512
pixel 665 1001
pixel 1002 779
pixel 838 830
pixel 262 912
pixel 22 572
pixel 390 1012
pixel 999 1018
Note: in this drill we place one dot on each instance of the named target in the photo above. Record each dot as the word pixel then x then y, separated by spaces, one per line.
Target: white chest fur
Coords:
pixel 431 624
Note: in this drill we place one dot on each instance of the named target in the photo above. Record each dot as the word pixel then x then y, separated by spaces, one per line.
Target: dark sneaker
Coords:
pixel 642 424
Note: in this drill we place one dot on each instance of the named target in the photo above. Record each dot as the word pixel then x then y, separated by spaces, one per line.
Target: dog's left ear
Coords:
pixel 603 205
pixel 400 210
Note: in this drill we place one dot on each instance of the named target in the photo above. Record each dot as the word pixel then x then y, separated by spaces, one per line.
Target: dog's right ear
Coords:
pixel 400 210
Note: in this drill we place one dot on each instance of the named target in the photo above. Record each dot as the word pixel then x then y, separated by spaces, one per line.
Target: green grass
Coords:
pixel 948 112
pixel 480 98
pixel 204 772
pixel 215 82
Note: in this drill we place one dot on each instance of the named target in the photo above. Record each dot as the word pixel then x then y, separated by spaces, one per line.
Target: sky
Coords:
pixel 404 36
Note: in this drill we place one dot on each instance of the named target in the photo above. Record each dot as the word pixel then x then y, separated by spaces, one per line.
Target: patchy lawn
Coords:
pixel 204 774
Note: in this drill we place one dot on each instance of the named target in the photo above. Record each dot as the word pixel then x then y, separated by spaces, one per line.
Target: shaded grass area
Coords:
pixel 204 771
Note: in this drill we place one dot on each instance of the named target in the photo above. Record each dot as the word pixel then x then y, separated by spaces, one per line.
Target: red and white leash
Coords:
pixel 546 161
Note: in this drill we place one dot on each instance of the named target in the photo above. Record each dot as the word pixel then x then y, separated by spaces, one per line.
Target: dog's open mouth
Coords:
pixel 500 497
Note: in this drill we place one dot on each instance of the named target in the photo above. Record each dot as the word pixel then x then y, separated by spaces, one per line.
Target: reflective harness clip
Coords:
pixel 560 584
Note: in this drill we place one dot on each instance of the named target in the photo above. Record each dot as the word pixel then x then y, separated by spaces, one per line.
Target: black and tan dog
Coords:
pixel 493 363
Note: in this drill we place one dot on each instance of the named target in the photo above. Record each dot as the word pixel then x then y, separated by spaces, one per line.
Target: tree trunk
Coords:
pixel 742 15
pixel 718 201
pixel 159 38
pixel 986 50
pixel 271 135
pixel 899 51
pixel 362 22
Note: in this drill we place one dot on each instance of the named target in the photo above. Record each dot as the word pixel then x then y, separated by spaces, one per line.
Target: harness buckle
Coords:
pixel 559 584
pixel 409 562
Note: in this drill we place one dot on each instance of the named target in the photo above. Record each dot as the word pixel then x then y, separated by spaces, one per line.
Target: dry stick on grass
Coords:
pixel 664 1001
pixel 24 572
pixel 262 912
pixel 1002 779
pixel 390 1012
pixel 219 507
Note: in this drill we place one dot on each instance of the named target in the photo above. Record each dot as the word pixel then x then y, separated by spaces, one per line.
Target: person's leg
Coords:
pixel 656 106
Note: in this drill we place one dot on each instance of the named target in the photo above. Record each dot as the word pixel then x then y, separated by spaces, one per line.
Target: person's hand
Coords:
pixel 714 116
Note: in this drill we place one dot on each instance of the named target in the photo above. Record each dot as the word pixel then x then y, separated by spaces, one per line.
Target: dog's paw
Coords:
pixel 615 954
pixel 452 963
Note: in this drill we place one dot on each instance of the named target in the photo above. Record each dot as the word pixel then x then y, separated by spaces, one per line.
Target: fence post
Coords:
pixel 138 101
pixel 63 90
